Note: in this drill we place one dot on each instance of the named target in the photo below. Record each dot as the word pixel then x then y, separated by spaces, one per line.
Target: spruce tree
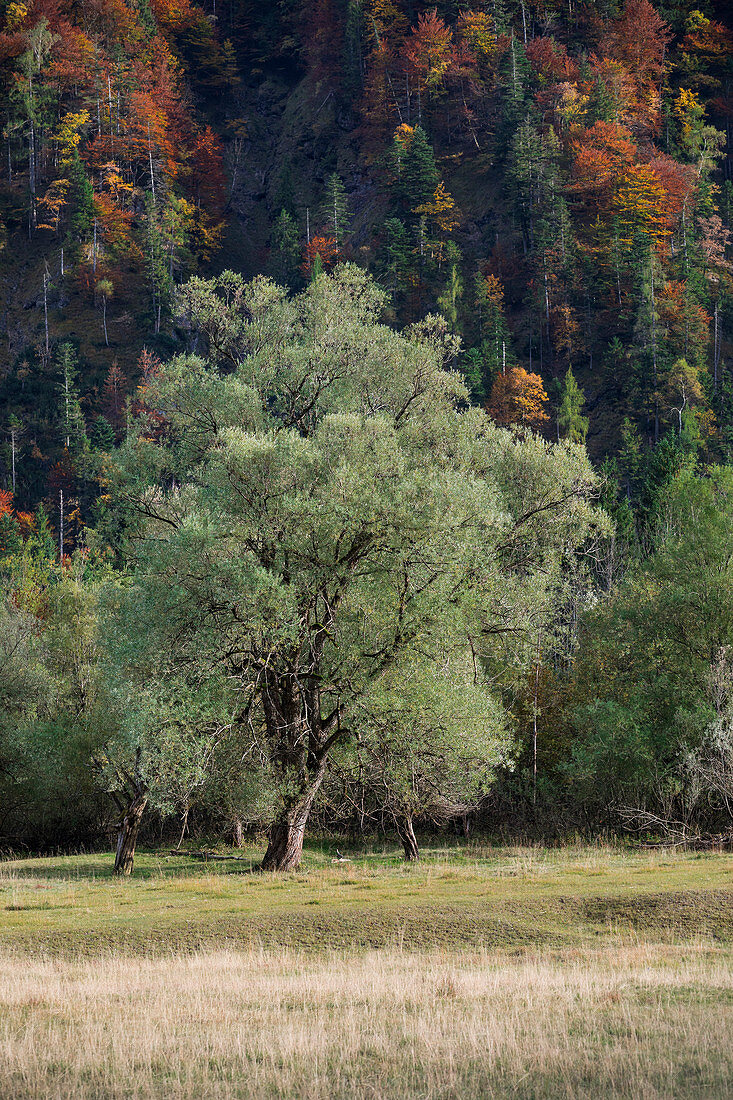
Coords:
pixel 335 208
pixel 73 430
pixel 285 250
pixel 81 199
pixel 417 174
pixel 396 256
pixel 515 100
pixel 571 422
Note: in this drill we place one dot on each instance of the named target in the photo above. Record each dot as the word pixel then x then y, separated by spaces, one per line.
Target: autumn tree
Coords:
pixel 320 254
pixel 427 51
pixel 518 398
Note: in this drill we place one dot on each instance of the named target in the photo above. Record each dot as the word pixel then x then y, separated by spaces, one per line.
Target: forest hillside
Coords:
pixel 554 179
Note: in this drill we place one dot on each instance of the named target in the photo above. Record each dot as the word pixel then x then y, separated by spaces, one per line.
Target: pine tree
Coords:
pixel 571 423
pixel 157 268
pixel 515 99
pixel 285 250
pixel 396 256
pixel 647 328
pixel 15 432
pixel 335 208
pixel 81 198
pixel 102 434
pixel 114 396
pixel 416 174
pixel 73 430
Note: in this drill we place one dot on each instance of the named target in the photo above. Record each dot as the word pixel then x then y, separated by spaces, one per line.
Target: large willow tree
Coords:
pixel 311 503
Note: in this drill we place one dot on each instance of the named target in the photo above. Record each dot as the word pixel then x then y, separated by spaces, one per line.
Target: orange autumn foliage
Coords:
pixel 601 157
pixel 325 247
pixel 518 397
pixel 428 50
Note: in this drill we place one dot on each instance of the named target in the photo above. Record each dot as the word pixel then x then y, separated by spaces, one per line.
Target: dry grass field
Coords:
pixel 621 988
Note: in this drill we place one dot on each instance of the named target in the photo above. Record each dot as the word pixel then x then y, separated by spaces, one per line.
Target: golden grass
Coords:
pixel 638 1021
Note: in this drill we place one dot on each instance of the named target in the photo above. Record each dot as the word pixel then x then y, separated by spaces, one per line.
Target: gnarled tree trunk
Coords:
pixel 285 846
pixel 406 833
pixel 127 834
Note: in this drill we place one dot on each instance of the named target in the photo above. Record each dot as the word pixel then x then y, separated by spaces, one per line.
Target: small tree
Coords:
pixel 105 291
pixel 158 735
pixel 335 208
pixel 15 432
pixel 518 398
pixel 285 250
pixel 73 429
pixel 683 389
pixel 429 740
pixel 570 421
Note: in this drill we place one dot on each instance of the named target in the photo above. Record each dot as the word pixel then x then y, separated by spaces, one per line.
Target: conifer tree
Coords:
pixel 102 434
pixel 81 198
pixel 397 257
pixel 453 291
pixel 157 268
pixel 335 208
pixel 413 163
pixel 515 75
pixel 73 431
pixel 15 432
pixel 285 250
pixel 570 420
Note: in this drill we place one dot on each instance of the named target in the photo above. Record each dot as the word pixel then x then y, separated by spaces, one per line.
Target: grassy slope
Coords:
pixel 480 896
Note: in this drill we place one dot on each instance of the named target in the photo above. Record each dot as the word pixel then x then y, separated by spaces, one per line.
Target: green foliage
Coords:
pixel 412 162
pixel 571 421
pixel 648 652
pixel 286 248
pixel 335 208
pixel 336 512
pixel 73 429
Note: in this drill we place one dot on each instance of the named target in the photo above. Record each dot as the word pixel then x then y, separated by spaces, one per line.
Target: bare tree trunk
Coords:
pixel 127 834
pixel 45 305
pixel 237 834
pixel 184 827
pixel 406 833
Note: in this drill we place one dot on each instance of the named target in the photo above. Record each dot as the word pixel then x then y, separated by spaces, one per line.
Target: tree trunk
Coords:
pixel 184 826
pixel 127 834
pixel 285 845
pixel 237 834
pixel 406 833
